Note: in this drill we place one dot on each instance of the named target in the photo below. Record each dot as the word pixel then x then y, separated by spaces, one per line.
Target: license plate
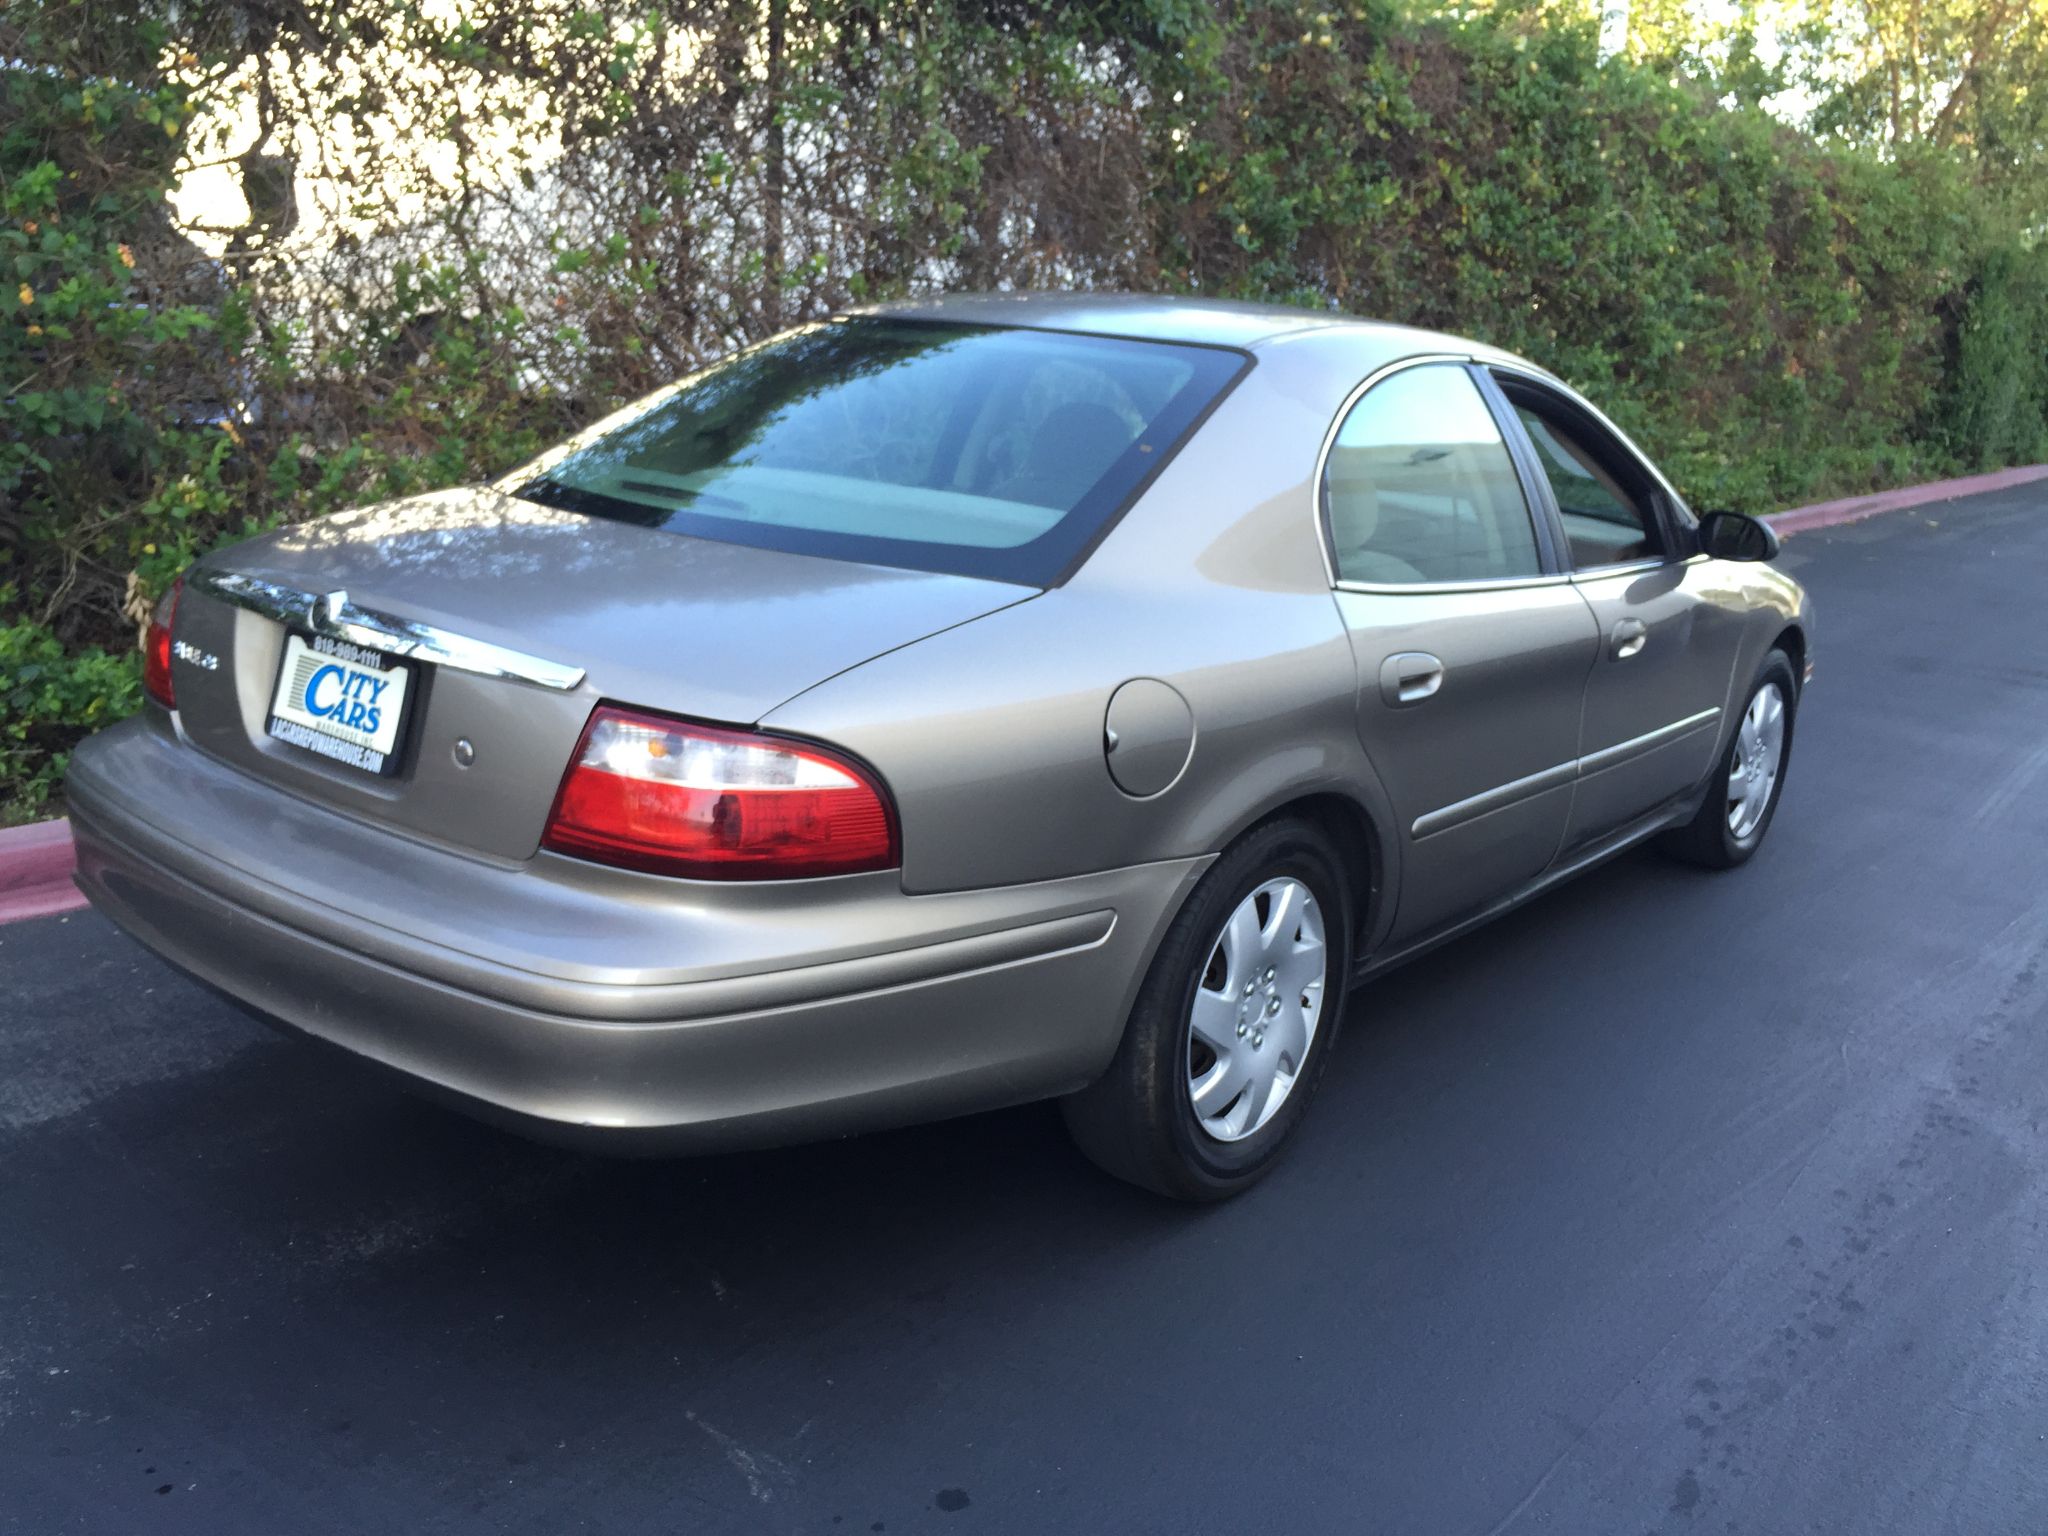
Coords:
pixel 342 701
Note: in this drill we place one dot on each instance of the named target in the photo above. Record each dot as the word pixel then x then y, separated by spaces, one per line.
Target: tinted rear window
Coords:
pixel 972 450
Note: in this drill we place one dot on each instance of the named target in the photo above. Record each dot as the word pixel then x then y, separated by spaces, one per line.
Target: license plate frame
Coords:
pixel 378 751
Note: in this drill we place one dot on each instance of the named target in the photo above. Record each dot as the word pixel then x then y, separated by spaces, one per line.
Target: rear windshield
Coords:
pixel 972 450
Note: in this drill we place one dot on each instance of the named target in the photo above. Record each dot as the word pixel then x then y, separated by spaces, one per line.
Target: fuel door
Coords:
pixel 1148 735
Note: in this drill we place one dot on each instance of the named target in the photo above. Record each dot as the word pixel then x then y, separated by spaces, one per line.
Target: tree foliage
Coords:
pixel 1958 74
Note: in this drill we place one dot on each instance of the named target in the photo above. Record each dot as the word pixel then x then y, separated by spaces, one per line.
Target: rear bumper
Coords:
pixel 645 1012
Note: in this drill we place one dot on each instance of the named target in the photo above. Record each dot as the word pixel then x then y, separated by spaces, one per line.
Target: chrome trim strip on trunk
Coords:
pixel 333 615
pixel 1501 795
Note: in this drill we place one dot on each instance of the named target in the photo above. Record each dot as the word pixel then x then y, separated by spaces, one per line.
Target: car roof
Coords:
pixel 1159 317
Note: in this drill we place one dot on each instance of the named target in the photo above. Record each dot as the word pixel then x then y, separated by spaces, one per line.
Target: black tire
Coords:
pixel 1708 839
pixel 1137 1120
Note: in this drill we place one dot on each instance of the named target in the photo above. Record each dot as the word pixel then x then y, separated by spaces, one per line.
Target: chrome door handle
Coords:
pixel 1409 677
pixel 1626 638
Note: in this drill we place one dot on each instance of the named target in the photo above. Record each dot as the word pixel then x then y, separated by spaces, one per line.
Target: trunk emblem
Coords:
pixel 333 605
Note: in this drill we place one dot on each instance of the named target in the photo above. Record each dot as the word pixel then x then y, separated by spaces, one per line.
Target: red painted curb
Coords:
pixel 35 871
pixel 1827 514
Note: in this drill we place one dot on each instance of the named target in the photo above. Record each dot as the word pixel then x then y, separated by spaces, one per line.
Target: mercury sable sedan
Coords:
pixel 943 707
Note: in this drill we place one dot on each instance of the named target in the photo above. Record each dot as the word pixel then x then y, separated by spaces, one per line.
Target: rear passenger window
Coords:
pixel 1420 488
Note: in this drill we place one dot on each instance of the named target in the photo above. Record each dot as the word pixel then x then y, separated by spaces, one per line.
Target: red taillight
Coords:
pixel 156 649
pixel 651 793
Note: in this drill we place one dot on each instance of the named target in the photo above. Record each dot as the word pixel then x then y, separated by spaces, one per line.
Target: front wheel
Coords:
pixel 1231 1028
pixel 1743 795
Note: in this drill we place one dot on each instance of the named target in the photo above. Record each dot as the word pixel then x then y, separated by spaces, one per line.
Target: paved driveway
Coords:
pixel 1674 1202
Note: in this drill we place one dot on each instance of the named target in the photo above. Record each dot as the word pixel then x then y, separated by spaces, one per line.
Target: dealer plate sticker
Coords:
pixel 340 700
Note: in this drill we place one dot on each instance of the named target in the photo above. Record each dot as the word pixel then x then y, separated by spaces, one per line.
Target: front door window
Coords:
pixel 1606 522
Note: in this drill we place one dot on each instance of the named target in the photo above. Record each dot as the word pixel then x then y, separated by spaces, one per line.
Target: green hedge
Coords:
pixel 50 695
pixel 1774 319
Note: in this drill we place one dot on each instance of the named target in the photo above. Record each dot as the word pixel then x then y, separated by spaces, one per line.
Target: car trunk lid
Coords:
pixel 523 617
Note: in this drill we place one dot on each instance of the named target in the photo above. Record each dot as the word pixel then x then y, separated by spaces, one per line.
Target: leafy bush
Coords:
pixel 637 188
pixel 117 341
pixel 1769 318
pixel 49 697
pixel 1998 384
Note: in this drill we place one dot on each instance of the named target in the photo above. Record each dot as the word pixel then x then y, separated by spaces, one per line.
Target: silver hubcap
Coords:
pixel 1753 771
pixel 1256 1010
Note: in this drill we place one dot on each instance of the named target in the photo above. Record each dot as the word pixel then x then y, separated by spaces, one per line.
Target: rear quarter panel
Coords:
pixel 991 735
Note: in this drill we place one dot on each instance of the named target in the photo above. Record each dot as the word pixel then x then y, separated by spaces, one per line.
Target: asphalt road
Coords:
pixel 1676 1201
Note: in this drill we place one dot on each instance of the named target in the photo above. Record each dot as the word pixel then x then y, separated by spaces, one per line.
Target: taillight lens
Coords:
pixel 156 648
pixel 651 793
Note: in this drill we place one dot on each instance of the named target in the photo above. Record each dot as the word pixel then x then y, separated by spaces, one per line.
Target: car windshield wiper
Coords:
pixel 687 496
pixel 553 493
pixel 550 492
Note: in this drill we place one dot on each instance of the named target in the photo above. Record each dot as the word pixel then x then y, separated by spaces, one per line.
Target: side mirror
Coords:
pixel 1737 536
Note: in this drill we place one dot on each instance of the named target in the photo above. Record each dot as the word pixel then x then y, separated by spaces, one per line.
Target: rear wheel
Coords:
pixel 1743 796
pixel 1231 1028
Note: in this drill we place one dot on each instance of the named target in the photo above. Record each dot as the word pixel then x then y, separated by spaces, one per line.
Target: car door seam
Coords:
pixel 1635 746
pixel 1501 796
